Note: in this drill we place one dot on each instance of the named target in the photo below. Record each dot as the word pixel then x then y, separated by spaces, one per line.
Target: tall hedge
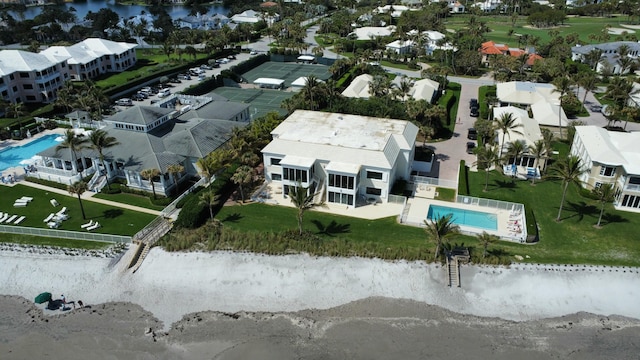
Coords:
pixel 463 179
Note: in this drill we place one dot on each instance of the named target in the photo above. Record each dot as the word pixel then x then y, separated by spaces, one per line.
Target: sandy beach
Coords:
pixel 239 305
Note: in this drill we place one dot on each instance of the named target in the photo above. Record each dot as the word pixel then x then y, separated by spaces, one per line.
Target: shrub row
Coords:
pixel 49 183
pixel 463 180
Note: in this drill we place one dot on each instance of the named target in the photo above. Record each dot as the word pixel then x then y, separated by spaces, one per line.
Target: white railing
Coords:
pixel 64 234
pixel 396 199
pixel 632 187
pixel 490 203
pixel 93 180
pixel 434 181
pixel 171 207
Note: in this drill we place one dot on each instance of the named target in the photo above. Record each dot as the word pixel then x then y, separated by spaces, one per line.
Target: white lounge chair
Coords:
pixel 54 202
pixel 20 204
pixel 62 211
pixel 9 220
pixel 53 224
pixel 84 226
pixel 26 198
pixel 4 217
pixel 94 226
pixel 48 218
pixel 60 217
pixel 19 220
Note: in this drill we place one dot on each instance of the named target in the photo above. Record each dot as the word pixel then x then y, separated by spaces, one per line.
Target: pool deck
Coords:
pixel 18 171
pixel 508 224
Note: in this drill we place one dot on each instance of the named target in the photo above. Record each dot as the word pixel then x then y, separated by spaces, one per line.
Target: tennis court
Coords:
pixel 288 72
pixel 261 101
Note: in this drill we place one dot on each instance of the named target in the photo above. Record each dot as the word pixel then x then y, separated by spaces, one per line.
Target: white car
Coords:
pixel 253 52
pixel 164 93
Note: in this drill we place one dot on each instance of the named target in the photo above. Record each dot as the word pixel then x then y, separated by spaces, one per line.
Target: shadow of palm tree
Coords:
pixel 580 209
pixel 235 217
pixel 608 218
pixel 331 229
pixel 112 213
pixel 505 184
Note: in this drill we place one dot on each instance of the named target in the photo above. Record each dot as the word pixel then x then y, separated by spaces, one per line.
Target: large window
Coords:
pixel 27 86
pixel 338 198
pixel 374 191
pixel 275 161
pixel 374 175
pixel 294 174
pixel 24 74
pixel 607 171
pixel 276 177
pixel 341 181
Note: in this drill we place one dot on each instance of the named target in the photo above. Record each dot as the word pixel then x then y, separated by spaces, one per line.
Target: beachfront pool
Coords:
pixel 476 219
pixel 13 155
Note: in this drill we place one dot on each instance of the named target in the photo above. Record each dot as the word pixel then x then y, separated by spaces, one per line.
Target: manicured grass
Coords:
pixel 45 241
pixel 130 199
pixel 116 221
pixel 401 65
pixel 500 26
pixel 268 218
pixel 149 62
pixel 573 240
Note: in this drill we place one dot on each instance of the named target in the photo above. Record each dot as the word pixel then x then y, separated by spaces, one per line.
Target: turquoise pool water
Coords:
pixel 13 155
pixel 476 219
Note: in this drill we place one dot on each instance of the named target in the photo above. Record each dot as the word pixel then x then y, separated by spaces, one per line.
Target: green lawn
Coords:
pixel 268 218
pixel 500 26
pixel 573 240
pixel 45 241
pixel 114 220
pixel 131 199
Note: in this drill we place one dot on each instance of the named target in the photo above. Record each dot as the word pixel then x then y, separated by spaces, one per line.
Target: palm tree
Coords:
pixel 207 167
pixel 149 174
pixel 243 175
pixel 311 86
pixel 302 200
pixel 539 151
pixel 78 188
pixel 485 240
pixel 72 142
pixel 507 124
pixel 563 86
pixel 568 170
pixel 516 149
pixel 100 140
pixel 174 170
pixel 15 109
pixel 210 199
pixel 589 83
pixel 440 229
pixel 487 157
pixel 605 194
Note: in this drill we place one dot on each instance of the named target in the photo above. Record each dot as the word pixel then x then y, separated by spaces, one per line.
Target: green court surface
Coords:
pixel 261 101
pixel 288 72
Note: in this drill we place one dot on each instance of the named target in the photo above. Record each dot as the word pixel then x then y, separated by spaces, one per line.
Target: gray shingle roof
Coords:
pixel 139 115
pixel 224 110
pixel 611 46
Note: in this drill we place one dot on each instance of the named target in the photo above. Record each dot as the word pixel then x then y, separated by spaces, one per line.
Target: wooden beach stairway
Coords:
pixel 454 259
pixel 146 238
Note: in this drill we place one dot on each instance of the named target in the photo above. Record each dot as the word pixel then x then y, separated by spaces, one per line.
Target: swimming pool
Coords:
pixel 477 219
pixel 13 155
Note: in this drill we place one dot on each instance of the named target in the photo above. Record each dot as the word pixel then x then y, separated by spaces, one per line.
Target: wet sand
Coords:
pixel 374 328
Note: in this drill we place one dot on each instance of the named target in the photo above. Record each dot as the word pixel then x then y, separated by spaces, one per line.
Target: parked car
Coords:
pixel 184 77
pixel 472 134
pixel 202 77
pixel 231 57
pixel 175 81
pixel 137 97
pixel 146 89
pixel 124 102
pixel 214 65
pixel 474 112
pixel 471 146
pixel 253 52
pixel 205 67
pixel 164 93
pixel 143 94
pixel 473 103
pixel 222 61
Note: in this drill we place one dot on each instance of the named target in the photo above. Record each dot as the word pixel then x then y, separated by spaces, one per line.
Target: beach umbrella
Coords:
pixel 44 297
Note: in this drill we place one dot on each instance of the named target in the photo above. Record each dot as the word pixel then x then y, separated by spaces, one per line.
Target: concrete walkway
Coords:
pixel 88 195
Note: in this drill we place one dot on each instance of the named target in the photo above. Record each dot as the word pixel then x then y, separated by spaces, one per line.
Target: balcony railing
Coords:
pixel 632 187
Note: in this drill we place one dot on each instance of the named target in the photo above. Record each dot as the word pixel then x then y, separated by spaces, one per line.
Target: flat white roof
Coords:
pixel 306 57
pixel 268 81
pixel 346 168
pixel 298 161
pixel 612 147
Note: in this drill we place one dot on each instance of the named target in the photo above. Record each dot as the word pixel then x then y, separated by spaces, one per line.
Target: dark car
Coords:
pixel 471 146
pixel 473 103
pixel 472 134
pixel 474 112
pixel 175 81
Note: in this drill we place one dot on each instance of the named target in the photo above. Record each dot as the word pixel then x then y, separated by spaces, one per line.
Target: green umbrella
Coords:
pixel 44 297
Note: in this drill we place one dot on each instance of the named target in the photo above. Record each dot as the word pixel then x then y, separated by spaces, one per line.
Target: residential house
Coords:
pixel 203 22
pixel 371 32
pixel 455 7
pixel 346 159
pixel 400 47
pixel 526 164
pixel 27 77
pixel 611 158
pixel 610 59
pixel 186 129
pixel 94 56
pixel 359 87
pixel 394 10
pixel 541 99
pixel 425 89
pixel 489 50
pixel 252 17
